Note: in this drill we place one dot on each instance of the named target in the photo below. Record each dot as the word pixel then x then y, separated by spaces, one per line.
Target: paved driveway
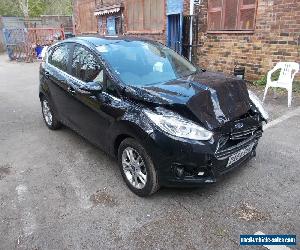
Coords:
pixel 57 191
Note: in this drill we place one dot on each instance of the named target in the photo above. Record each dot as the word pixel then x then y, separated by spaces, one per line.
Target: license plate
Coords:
pixel 238 155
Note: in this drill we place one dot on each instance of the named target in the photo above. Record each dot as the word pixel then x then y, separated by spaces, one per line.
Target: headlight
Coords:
pixel 176 125
pixel 258 104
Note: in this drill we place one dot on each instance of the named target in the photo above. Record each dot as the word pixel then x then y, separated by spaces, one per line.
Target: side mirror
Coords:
pixel 92 88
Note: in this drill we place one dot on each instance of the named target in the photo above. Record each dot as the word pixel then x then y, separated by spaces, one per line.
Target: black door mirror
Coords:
pixel 92 87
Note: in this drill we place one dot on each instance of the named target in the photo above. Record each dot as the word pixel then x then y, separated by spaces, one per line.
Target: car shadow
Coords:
pixel 203 190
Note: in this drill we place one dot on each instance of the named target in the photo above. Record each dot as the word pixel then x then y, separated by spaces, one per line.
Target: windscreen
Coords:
pixel 145 63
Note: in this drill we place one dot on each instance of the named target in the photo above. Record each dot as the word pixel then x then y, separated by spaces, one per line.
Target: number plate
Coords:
pixel 238 155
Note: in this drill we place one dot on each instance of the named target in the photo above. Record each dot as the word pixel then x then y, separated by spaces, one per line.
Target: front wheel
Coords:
pixel 49 116
pixel 137 168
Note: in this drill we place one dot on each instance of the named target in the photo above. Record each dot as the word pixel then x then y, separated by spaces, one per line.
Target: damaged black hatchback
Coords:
pixel 167 122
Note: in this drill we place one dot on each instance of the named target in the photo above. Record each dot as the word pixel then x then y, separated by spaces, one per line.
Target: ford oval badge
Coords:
pixel 239 125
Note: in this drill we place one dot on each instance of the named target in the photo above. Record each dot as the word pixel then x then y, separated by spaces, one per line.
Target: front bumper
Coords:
pixel 212 173
pixel 190 163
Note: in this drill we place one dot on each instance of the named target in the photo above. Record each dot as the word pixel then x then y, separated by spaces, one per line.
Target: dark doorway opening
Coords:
pixel 174 32
pixel 190 49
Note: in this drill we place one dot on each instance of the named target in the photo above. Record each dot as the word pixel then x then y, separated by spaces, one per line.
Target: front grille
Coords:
pixel 225 152
pixel 240 135
pixel 236 137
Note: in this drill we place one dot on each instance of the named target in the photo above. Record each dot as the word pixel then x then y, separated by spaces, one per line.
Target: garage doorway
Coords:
pixel 174 32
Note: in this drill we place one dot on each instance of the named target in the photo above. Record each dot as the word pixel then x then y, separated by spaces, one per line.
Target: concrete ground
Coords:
pixel 57 191
pixel 276 101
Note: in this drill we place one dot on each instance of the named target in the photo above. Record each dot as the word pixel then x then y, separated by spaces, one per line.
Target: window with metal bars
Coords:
pixel 231 15
pixel 145 16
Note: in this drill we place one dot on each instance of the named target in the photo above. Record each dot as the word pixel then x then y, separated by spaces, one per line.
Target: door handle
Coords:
pixel 71 90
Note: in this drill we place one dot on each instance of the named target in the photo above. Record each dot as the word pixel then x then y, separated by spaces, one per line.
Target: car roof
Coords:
pixel 103 40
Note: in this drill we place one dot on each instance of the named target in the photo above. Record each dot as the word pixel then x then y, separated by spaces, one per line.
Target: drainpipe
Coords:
pixel 191 28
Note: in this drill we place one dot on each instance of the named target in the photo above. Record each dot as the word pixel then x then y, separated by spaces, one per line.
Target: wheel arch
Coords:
pixel 127 129
pixel 118 141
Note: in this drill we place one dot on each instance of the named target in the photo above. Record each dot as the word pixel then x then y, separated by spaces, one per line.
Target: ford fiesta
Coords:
pixel 167 122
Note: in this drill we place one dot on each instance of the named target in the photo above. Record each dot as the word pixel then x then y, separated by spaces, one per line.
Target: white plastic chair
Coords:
pixel 285 80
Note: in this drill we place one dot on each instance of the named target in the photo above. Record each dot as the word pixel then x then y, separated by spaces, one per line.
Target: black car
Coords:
pixel 167 122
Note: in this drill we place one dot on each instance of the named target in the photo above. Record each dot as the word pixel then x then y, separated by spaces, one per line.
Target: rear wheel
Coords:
pixel 49 116
pixel 137 168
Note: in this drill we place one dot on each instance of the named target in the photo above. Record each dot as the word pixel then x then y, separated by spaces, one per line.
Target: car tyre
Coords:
pixel 49 116
pixel 137 168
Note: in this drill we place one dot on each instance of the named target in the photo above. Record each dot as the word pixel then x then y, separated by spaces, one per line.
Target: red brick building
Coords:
pixel 251 33
pixel 132 17
pixel 273 36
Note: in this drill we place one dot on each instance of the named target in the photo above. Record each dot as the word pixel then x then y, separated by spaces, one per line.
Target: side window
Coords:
pixel 85 66
pixel 60 57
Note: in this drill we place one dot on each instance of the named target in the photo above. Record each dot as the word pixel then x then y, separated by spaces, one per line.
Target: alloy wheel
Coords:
pixel 134 168
pixel 47 112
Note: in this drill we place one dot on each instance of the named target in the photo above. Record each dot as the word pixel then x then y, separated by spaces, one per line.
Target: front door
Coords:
pixel 174 34
pixel 56 75
pixel 88 115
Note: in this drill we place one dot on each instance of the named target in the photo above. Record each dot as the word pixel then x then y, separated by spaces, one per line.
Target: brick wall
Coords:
pixel 186 7
pixel 101 3
pixel 276 38
pixel 161 37
pixel 55 21
pixel 92 24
